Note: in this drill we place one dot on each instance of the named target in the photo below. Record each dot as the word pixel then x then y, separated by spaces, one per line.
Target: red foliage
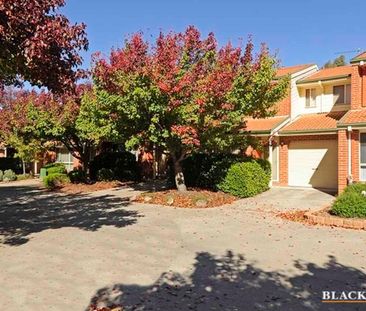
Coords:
pixel 39 45
pixel 192 75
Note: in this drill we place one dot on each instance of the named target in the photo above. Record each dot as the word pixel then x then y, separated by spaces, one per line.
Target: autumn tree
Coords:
pixel 184 94
pixel 16 129
pixel 39 45
pixel 80 121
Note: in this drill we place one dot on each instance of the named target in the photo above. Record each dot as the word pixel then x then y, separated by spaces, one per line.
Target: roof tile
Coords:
pixel 359 57
pixel 314 122
pixel 283 71
pixel 264 124
pixel 327 73
pixel 353 117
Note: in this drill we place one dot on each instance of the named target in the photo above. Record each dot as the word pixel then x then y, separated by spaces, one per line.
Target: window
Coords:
pixel 310 95
pixel 363 156
pixel 65 157
pixel 342 94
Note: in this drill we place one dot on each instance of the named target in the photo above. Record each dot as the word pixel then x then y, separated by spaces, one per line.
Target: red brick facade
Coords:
pixel 342 160
pixel 356 82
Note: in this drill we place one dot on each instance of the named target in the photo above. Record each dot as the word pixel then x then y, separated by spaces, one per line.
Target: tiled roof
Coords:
pixel 283 71
pixel 264 125
pixel 328 73
pixel 359 57
pixel 314 122
pixel 353 117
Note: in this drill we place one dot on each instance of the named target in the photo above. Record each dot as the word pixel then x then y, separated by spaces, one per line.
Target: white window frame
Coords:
pixel 312 98
pixel 70 163
pixel 360 164
pixel 345 94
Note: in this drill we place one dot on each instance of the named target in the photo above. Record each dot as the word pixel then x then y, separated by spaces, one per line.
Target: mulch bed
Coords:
pixel 95 308
pixel 325 218
pixel 298 216
pixel 194 198
pixel 82 188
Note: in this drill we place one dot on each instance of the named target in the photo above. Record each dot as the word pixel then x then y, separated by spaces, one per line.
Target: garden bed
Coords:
pixel 84 188
pixel 325 218
pixel 194 198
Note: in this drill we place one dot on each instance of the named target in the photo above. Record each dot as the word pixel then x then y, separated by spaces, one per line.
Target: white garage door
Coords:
pixel 313 163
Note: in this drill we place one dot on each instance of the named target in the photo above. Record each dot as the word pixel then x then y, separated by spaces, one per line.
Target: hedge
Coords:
pixel 122 164
pixel 55 168
pixel 55 180
pixel 351 203
pixel 245 179
pixel 207 171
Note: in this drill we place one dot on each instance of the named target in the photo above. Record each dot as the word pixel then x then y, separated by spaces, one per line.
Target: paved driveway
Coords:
pixel 280 198
pixel 64 252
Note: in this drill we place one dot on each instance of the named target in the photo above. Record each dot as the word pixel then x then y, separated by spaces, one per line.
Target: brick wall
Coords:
pixel 342 160
pixel 283 152
pixel 356 84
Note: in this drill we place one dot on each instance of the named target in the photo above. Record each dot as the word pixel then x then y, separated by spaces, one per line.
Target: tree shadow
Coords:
pixel 27 209
pixel 230 283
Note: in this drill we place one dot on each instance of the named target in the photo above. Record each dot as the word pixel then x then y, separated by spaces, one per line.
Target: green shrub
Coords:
pixel 77 176
pixel 122 164
pixel 9 175
pixel 105 174
pixel 209 170
pixel 24 176
pixel 245 179
pixel 55 168
pixel 56 180
pixel 1 175
pixel 351 203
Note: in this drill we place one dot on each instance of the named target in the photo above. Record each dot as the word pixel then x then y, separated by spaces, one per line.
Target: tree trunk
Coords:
pixel 179 176
pixel 23 164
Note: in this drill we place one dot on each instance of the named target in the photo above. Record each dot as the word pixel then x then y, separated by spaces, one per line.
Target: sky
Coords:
pixel 301 31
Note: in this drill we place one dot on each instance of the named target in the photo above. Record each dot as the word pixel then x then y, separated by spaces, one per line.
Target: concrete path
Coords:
pixel 63 252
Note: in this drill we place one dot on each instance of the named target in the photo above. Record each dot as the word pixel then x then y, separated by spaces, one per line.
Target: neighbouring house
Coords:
pixel 318 136
pixel 59 154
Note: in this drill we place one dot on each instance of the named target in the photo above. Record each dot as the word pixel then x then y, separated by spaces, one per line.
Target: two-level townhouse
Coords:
pixel 318 137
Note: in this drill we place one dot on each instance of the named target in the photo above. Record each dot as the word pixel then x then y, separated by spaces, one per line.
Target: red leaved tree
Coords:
pixel 39 45
pixel 185 94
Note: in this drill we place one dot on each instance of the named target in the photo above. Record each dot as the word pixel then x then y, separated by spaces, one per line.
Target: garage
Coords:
pixel 313 163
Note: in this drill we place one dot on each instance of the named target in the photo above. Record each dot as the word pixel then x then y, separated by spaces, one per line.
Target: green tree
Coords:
pixel 28 121
pixel 339 61
pixel 80 122
pixel 16 130
pixel 184 94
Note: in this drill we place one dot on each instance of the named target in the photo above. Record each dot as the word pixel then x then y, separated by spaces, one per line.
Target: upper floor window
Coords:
pixel 310 96
pixel 342 94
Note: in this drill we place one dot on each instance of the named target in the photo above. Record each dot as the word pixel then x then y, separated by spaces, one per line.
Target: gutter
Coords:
pixel 324 79
pixel 313 132
pixel 345 125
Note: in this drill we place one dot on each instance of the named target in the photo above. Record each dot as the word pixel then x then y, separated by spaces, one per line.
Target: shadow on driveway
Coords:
pixel 228 283
pixel 28 209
